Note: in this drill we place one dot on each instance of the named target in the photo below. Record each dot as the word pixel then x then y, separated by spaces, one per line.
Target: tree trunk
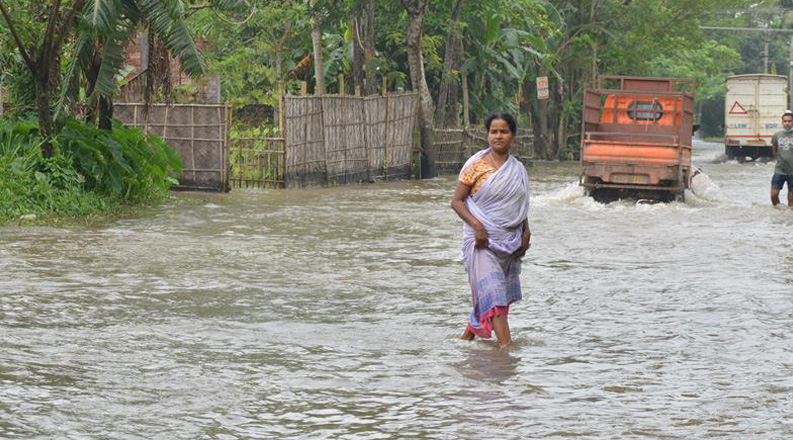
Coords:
pixel 316 42
pixel 43 100
pixel 453 101
pixel 279 66
pixel 417 10
pixel 561 137
pixel 44 64
pixel 357 53
pixel 369 50
pixel 47 75
pixel 278 117
pixel 448 82
pixel 542 133
pixel 91 74
pixel 466 104
pixel 105 113
pixel 543 137
pixel 525 99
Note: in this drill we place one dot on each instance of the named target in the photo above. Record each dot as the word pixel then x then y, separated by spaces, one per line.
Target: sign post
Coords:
pixel 542 87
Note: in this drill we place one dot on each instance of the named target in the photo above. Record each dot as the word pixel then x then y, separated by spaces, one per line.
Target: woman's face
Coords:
pixel 500 135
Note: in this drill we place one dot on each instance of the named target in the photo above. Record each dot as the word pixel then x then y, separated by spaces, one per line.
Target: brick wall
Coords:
pixel 208 88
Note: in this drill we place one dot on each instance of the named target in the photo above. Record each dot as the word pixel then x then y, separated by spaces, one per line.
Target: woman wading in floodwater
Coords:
pixel 492 198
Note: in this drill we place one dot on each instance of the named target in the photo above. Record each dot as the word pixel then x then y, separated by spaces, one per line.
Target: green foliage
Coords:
pixel 93 172
pixel 123 163
pixel 708 63
pixel 31 184
pixel 18 82
pixel 246 50
pixel 255 156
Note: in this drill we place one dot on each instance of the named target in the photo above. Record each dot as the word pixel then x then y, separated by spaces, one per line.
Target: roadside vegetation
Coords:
pixel 62 63
pixel 91 175
pixel 63 158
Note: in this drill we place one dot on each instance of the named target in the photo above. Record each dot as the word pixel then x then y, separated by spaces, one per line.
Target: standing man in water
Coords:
pixel 782 149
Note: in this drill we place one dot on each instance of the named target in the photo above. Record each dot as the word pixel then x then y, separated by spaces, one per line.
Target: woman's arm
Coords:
pixel 458 205
pixel 525 241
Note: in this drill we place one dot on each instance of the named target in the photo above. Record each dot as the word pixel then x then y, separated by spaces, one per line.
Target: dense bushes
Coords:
pixel 92 171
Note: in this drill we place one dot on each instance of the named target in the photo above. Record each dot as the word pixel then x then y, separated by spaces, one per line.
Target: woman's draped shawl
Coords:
pixel 500 205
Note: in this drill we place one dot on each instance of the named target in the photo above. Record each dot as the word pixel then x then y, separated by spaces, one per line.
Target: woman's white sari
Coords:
pixel 501 205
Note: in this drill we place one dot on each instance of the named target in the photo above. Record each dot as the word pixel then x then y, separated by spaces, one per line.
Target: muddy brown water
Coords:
pixel 334 314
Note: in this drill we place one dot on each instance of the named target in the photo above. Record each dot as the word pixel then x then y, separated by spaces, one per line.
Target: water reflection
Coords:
pixel 486 362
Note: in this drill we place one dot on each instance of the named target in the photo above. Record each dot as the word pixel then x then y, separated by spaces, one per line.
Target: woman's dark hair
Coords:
pixel 513 126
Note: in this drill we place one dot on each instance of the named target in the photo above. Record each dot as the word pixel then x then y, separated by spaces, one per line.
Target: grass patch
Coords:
pixel 94 175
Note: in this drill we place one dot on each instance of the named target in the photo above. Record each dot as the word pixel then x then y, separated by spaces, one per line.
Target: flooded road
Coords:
pixel 335 314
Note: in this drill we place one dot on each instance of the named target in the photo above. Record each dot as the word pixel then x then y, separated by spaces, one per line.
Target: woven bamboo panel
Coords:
pixel 402 111
pixel 345 139
pixel 304 143
pixel 449 147
pixel 337 139
pixel 453 147
pixel 198 132
pixel 375 111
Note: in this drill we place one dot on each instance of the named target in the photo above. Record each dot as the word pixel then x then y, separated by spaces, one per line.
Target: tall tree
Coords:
pixel 42 59
pixel 417 10
pixel 357 50
pixel 369 49
pixel 447 99
pixel 316 42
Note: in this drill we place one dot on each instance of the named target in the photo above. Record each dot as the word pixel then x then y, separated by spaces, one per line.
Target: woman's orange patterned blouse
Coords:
pixel 477 175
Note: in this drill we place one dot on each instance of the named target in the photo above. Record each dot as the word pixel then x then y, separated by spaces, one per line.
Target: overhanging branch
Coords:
pixel 45 52
pixel 31 65
pixel 77 6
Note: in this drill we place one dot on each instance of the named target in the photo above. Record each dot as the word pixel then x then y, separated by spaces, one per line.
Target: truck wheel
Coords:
pixel 730 152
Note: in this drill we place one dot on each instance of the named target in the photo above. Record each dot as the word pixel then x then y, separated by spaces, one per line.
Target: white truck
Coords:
pixel 753 107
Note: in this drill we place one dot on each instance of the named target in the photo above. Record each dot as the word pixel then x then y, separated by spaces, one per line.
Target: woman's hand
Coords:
pixel 480 236
pixel 525 243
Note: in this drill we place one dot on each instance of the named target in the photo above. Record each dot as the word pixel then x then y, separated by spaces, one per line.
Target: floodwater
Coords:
pixel 335 314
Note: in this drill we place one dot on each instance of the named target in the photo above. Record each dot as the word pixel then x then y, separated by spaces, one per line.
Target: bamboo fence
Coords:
pixel 454 146
pixel 337 139
pixel 328 140
pixel 198 132
pixel 257 162
pixel 450 150
pixel 304 144
pixel 344 127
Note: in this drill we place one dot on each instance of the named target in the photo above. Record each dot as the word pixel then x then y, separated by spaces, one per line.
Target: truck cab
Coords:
pixel 636 138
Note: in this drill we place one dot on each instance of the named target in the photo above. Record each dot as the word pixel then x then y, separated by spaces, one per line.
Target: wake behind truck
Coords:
pixel 636 138
pixel 753 107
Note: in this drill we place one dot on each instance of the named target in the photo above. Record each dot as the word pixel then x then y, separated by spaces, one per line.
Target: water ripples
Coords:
pixel 335 314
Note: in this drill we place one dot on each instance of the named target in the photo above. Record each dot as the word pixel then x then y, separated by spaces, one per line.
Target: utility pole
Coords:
pixel 765 52
pixel 766 32
pixel 790 76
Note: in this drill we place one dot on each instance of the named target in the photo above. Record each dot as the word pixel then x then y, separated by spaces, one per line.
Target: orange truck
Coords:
pixel 636 138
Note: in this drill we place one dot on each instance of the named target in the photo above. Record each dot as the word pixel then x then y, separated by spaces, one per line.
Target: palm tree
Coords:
pixel 106 27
